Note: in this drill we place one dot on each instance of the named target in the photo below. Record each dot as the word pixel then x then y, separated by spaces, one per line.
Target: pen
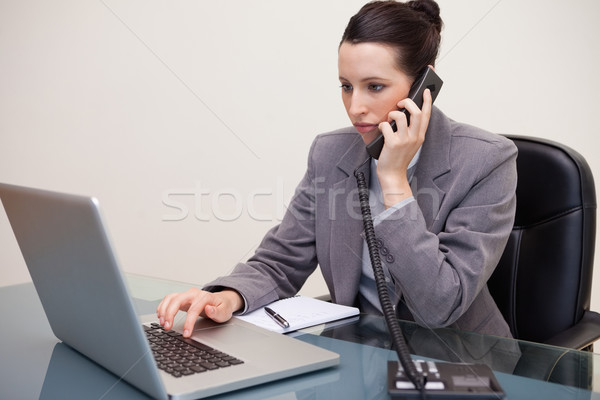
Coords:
pixel 277 318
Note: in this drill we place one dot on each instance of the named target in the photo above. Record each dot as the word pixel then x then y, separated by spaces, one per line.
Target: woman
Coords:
pixel 443 196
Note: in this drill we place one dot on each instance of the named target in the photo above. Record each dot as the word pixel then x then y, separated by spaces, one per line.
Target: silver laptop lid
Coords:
pixel 62 241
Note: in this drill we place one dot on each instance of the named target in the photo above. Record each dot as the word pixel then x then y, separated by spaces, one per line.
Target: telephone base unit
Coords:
pixel 445 381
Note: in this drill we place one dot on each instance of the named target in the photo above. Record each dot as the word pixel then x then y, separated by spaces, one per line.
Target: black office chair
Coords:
pixel 543 281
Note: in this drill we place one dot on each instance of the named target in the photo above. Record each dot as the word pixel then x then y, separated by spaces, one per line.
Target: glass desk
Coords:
pixel 36 365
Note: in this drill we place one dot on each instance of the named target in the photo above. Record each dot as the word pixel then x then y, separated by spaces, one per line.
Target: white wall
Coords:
pixel 134 102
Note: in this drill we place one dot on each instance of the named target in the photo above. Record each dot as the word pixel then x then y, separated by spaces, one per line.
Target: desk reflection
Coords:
pixel 71 375
pixel 530 360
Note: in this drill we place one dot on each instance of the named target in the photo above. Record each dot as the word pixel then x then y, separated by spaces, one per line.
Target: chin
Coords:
pixel 370 136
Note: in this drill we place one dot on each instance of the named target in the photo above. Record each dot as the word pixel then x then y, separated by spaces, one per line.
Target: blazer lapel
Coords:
pixel 434 162
pixel 347 225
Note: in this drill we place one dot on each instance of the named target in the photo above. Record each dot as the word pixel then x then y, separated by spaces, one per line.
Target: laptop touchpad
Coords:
pixel 228 333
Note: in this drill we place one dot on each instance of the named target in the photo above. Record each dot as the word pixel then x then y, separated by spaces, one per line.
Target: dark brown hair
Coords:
pixel 412 28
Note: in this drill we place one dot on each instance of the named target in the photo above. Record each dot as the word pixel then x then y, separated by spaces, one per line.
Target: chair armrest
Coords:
pixel 581 335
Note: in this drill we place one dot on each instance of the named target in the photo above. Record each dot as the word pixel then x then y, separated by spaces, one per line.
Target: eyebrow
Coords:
pixel 370 78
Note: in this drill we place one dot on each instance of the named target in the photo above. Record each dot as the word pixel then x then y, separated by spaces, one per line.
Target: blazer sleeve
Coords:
pixel 440 274
pixel 285 258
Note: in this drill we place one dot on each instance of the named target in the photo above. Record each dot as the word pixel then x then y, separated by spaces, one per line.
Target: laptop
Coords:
pixel 76 275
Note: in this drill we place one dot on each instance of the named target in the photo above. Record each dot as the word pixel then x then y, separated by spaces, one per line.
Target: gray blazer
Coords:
pixel 440 250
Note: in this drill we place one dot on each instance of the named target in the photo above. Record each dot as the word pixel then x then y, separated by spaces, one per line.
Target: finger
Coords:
pixel 408 104
pixel 426 111
pixel 386 130
pixel 211 305
pixel 420 121
pixel 419 116
pixel 161 309
pixel 413 110
pixel 214 306
pixel 174 303
pixel 401 124
pixel 168 316
pixel 190 320
pixel 218 313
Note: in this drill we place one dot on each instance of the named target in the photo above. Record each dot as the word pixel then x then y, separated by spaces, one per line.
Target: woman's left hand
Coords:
pixel 400 147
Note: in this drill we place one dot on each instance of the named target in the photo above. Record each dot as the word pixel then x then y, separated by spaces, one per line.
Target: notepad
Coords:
pixel 300 312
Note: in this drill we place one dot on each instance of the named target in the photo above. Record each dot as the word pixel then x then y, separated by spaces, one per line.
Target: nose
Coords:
pixel 357 105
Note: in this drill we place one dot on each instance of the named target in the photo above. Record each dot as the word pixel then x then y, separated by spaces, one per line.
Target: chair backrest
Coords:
pixel 542 284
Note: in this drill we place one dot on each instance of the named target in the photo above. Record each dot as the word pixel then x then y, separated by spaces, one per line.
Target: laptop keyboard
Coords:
pixel 181 356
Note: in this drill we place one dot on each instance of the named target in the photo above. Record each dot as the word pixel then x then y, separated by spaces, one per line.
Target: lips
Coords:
pixel 362 127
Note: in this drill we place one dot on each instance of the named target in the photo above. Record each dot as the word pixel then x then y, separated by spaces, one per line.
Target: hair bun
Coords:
pixel 431 10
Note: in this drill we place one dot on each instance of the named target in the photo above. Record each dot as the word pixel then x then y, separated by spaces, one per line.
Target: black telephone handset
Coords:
pixel 427 80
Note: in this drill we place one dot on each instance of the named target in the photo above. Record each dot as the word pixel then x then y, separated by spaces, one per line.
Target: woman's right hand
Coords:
pixel 218 306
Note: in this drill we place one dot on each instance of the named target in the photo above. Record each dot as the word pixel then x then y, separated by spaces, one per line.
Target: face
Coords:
pixel 371 84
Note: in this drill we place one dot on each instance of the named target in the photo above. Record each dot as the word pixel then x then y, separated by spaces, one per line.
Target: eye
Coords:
pixel 347 88
pixel 374 87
